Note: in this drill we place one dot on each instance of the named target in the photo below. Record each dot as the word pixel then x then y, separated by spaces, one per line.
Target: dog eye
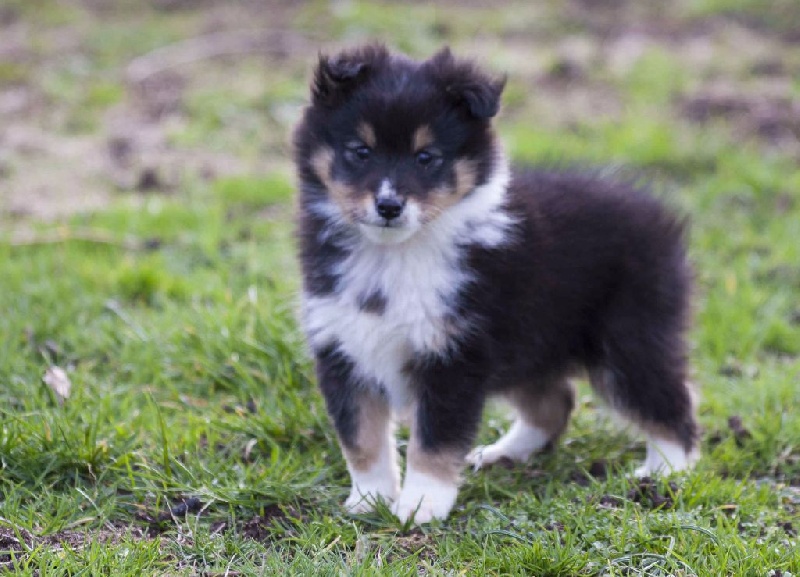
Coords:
pixel 363 152
pixel 358 153
pixel 426 158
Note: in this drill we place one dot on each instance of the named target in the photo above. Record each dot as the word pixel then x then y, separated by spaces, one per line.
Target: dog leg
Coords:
pixel 446 417
pixel 665 456
pixel 542 416
pixel 362 419
pixel 431 484
pixel 650 390
pixel 372 458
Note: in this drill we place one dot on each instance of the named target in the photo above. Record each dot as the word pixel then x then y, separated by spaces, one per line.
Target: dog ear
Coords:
pixel 465 84
pixel 335 77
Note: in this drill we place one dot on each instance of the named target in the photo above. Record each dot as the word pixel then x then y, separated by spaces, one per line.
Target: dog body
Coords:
pixel 434 279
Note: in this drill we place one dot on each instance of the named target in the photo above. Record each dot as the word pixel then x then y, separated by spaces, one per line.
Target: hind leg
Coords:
pixel 665 455
pixel 542 416
pixel 645 382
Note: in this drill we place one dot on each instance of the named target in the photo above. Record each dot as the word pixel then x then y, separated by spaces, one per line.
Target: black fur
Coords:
pixel 336 78
pixel 464 83
pixel 450 394
pixel 321 258
pixel 374 302
pixel 340 389
pixel 598 278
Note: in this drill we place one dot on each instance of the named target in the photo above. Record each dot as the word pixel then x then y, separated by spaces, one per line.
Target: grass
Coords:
pixel 193 440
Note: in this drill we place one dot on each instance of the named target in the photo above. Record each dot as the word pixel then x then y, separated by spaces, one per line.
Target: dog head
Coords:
pixel 393 143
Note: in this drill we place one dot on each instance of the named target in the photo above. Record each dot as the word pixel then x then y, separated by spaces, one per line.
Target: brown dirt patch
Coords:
pixel 415 542
pixel 650 495
pixel 647 492
pixel 275 519
pixel 13 545
pixel 50 169
pixel 159 521
pixel 736 430
pixel 769 114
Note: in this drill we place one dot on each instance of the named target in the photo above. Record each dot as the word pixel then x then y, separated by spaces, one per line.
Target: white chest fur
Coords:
pixel 417 281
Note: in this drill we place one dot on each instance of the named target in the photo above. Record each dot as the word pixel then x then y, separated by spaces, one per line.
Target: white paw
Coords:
pixel 424 498
pixel 425 507
pixel 363 499
pixel 665 457
pixel 518 444
pixel 486 455
pixel 381 481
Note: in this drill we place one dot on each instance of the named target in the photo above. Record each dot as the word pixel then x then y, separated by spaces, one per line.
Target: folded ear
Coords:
pixel 335 77
pixel 466 84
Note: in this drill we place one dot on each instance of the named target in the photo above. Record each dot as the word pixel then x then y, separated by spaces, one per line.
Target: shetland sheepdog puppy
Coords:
pixel 435 277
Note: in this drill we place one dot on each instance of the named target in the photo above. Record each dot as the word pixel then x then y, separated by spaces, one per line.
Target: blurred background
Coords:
pixel 102 98
pixel 147 249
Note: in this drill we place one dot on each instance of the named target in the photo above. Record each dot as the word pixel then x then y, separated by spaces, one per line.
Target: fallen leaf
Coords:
pixel 248 449
pixel 56 378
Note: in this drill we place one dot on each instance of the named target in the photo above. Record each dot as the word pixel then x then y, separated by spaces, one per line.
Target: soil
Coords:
pixel 259 528
pixel 50 169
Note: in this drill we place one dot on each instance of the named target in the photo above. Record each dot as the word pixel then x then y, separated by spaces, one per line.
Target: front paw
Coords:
pixel 363 500
pixel 424 500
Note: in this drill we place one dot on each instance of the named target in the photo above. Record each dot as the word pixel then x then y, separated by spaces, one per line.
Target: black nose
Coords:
pixel 389 207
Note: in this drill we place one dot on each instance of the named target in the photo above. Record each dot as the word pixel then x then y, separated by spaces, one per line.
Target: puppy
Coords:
pixel 434 278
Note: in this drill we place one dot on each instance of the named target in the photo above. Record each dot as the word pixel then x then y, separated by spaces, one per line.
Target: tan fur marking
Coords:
pixel 344 196
pixel 423 137
pixel 443 197
pixel 367 134
pixel 321 161
pixel 374 430
pixel 444 465
pixel 548 410
pixel 466 177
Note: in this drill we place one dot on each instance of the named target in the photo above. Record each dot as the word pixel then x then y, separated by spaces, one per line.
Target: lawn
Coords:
pixel 146 249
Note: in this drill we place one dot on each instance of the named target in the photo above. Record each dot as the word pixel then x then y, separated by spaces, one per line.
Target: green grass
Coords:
pixel 194 440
